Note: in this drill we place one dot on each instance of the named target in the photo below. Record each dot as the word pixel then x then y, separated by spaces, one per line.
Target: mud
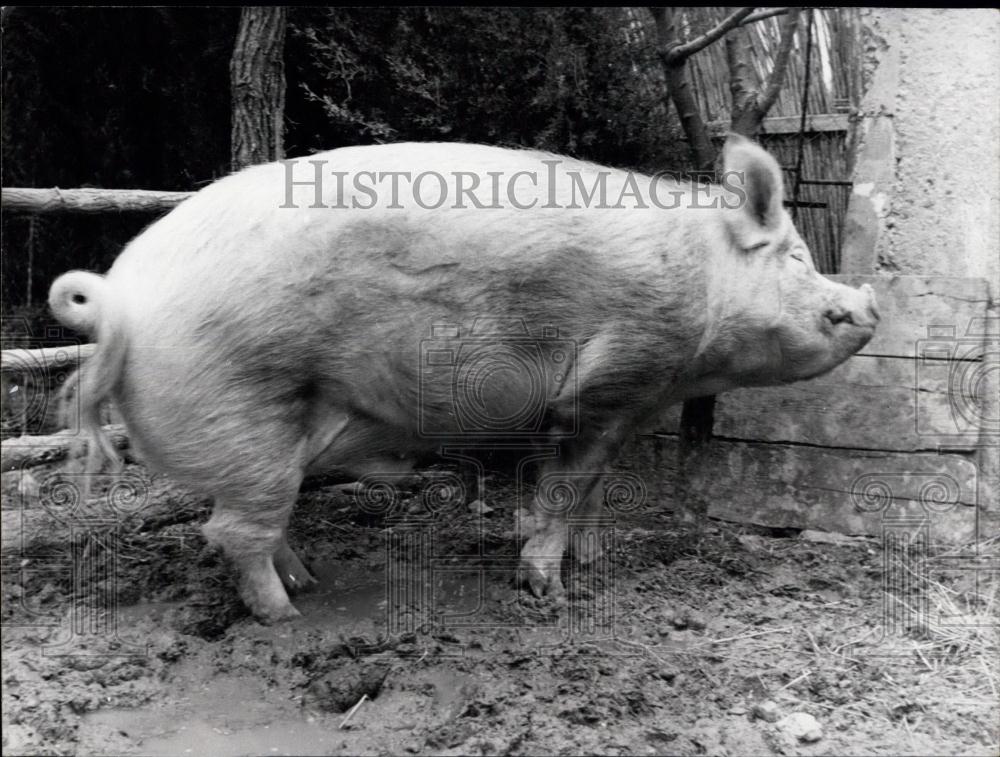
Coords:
pixel 122 634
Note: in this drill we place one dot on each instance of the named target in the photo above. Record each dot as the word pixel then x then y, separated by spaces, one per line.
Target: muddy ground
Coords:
pixel 123 635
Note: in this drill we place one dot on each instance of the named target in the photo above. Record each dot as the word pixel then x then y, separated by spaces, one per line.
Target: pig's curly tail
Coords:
pixel 81 301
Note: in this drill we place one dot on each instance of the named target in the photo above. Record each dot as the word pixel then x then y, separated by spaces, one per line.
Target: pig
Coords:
pixel 305 316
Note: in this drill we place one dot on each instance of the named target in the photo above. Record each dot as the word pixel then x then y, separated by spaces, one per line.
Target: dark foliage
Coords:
pixel 139 98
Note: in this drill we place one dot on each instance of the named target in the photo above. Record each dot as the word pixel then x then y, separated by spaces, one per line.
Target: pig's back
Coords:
pixel 233 248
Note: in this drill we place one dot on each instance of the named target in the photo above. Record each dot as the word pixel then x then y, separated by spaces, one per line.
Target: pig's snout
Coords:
pixel 872 308
pixel 858 308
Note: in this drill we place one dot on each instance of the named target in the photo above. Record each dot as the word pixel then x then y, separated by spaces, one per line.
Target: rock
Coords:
pixel 696 621
pixel 751 542
pixel 478 507
pixel 767 711
pixel 666 674
pixel 801 726
pixel 682 619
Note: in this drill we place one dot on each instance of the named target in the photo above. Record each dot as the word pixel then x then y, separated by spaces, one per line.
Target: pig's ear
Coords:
pixel 748 168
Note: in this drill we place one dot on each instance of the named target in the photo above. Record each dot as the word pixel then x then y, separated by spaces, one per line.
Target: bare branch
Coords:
pixel 777 77
pixel 761 15
pixel 689 48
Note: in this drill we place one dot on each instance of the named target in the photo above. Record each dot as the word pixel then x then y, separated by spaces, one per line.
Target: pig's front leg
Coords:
pixel 568 487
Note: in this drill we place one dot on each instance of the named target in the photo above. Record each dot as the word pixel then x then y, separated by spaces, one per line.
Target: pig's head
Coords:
pixel 772 317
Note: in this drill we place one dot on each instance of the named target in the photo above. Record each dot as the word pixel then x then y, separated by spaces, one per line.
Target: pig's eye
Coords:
pixel 799 256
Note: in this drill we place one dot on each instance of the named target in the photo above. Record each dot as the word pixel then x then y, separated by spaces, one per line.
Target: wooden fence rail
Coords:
pixel 55 200
pixel 21 361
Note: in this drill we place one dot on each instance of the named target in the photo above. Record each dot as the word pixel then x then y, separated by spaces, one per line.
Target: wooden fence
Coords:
pixel 831 105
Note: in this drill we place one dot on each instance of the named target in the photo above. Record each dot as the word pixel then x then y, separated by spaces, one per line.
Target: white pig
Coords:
pixel 301 316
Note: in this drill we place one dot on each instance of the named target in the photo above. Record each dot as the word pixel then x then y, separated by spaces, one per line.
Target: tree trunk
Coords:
pixel 257 79
pixel 745 117
pixel 679 90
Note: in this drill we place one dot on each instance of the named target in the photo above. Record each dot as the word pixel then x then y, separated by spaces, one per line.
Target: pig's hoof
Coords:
pixel 293 574
pixel 297 582
pixel 296 578
pixel 264 595
pixel 544 583
pixel 537 581
pixel 270 616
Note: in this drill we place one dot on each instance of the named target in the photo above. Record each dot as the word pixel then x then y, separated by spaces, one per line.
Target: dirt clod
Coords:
pixel 767 711
pixel 341 689
pixel 801 726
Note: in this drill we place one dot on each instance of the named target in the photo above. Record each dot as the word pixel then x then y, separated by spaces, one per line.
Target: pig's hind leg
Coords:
pixel 249 523
pixel 251 531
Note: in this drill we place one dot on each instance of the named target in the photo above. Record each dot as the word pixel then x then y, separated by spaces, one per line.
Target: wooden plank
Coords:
pixel 920 309
pixel 842 491
pixel 815 122
pixel 868 402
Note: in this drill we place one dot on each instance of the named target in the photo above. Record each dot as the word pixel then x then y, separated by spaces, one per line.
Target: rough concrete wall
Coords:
pixel 942 216
pixel 926 195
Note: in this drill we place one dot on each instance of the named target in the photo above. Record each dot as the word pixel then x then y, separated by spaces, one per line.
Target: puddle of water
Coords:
pixel 350 603
pixel 225 715
pixel 231 715
pixel 202 737
pixel 373 602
